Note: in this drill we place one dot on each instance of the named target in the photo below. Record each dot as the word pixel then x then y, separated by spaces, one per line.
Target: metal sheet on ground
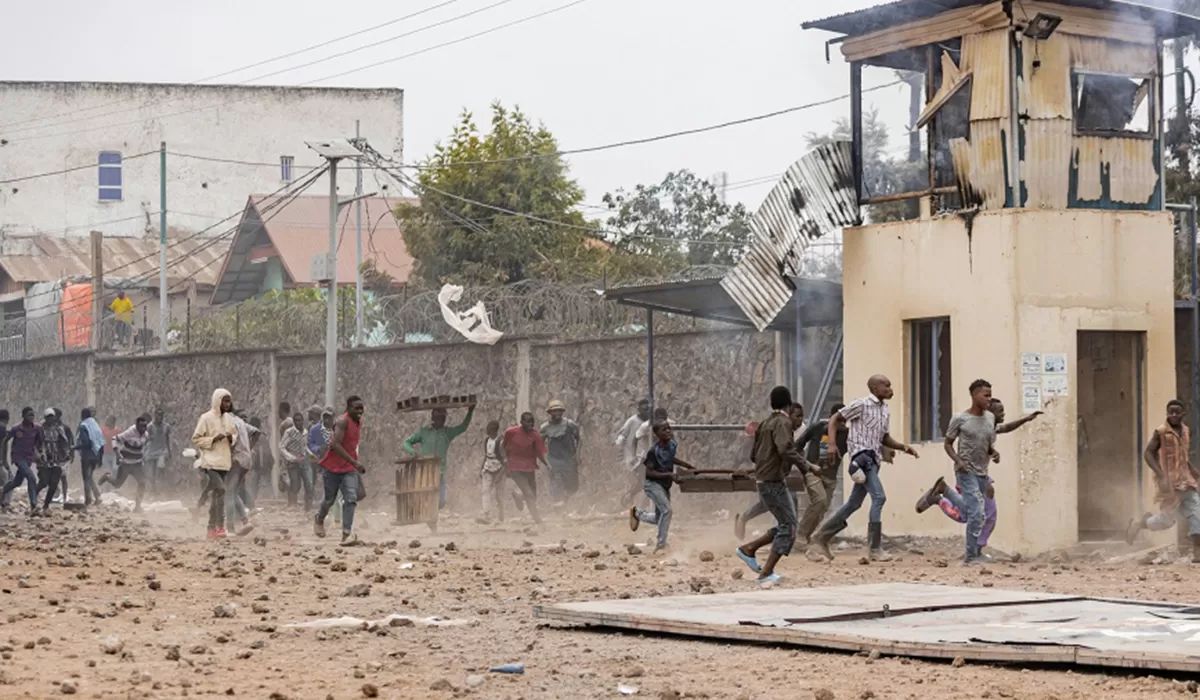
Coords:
pixel 921 620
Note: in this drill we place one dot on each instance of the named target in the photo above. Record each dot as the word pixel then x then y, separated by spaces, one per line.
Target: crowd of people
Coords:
pixel 320 466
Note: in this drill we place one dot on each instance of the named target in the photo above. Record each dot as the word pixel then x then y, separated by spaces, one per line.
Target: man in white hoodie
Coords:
pixel 214 438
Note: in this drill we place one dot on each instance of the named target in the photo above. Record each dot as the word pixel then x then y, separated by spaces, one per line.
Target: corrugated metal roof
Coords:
pixel 1046 90
pixel 1168 23
pixel 45 258
pixel 979 164
pixel 986 56
pixel 816 195
pixel 299 230
pixel 1046 168
pixel 1110 56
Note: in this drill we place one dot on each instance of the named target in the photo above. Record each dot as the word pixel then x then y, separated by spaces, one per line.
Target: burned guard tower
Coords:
pixel 1033 249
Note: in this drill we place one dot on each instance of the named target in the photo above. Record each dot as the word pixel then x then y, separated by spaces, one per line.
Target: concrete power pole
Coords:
pixel 164 303
pixel 358 253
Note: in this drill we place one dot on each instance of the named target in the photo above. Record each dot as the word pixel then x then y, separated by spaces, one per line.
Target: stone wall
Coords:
pixel 715 377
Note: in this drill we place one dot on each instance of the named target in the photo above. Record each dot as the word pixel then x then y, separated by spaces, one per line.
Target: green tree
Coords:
pixel 882 174
pixel 680 219
pixel 513 167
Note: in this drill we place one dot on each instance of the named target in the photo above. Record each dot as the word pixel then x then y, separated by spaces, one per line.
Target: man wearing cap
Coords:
pixel 435 440
pixel 563 440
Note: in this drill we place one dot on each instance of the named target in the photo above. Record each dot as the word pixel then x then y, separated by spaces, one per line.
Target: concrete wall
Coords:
pixel 721 377
pixel 1011 282
pixel 246 123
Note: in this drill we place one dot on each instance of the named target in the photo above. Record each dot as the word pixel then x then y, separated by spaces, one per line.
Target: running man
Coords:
pixel 491 474
pixel 525 450
pixel 89 441
pixel 57 453
pixel 775 454
pixel 869 422
pixel 563 440
pixel 341 470
pixel 27 442
pixel 1168 456
pixel 131 457
pixel 660 465
pixel 627 441
pixel 757 508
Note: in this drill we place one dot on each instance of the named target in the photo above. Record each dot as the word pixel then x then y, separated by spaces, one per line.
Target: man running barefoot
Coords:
pixel 660 474
pixel 774 456
pixel 341 469
pixel 1168 456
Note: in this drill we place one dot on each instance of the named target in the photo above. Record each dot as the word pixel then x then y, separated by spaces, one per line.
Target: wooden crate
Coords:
pixel 418 483
pixel 729 482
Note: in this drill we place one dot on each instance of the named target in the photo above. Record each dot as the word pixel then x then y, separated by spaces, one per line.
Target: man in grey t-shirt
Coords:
pixel 975 432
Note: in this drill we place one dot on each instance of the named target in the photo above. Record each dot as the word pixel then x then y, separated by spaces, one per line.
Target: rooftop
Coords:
pixel 299 230
pixel 1168 23
pixel 43 258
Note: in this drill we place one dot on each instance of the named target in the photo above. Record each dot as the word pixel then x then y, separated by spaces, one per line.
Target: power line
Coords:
pixel 235 70
pixel 89 166
pixel 652 139
pixel 317 80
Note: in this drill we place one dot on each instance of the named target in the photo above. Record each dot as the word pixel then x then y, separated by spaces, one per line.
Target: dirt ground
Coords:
pixel 112 605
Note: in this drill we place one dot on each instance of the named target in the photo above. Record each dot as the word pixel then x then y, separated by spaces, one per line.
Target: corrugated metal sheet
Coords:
pixel 1129 163
pixel 49 258
pixel 979 164
pixel 1045 92
pixel 1046 167
pixel 1112 56
pixel 986 56
pixel 816 195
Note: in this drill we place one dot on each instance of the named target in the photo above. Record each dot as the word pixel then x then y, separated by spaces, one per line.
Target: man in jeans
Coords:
pixel 158 451
pixel 1168 456
pixel 340 470
pixel 27 442
pixel 869 421
pixel 660 473
pixel 89 441
pixel 774 456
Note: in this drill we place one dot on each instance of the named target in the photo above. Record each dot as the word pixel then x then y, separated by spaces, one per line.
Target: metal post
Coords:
pixel 62 329
pixel 331 340
pixel 798 352
pixel 1140 367
pixel 1194 409
pixel 164 305
pixel 650 357
pixel 237 326
pixel 188 330
pixel 145 332
pixel 358 253
pixel 856 134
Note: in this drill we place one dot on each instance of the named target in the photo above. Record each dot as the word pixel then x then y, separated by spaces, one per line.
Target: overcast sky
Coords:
pixel 598 72
pixel 595 73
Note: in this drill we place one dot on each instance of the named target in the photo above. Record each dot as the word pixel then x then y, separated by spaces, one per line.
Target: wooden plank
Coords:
pixel 416 403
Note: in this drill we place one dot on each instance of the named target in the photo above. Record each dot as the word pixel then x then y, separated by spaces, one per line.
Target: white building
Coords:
pixel 99 131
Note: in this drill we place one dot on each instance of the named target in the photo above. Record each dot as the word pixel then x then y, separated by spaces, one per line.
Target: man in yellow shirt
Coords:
pixel 122 308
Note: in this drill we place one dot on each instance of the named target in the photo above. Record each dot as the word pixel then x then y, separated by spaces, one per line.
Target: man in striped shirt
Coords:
pixel 131 448
pixel 869 421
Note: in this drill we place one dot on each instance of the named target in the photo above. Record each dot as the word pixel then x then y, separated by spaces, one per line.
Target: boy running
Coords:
pixel 1168 456
pixel 660 465
pixel 492 473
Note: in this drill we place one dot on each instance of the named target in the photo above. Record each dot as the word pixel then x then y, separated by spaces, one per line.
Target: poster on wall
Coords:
pixel 1054 385
pixel 1031 367
pixel 1031 398
pixel 1054 363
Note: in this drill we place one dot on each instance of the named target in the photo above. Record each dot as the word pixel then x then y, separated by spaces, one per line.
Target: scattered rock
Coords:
pixel 474 680
pixel 415 544
pixel 874 655
pixel 155 585
pixel 698 583
pixel 941 563
pixel 112 645
pixel 245 654
pixel 450 547
pixel 958 662
pixel 634 671
pixel 737 574
pixel 864 561
pixel 370 690
pixel 867 695
pixel 707 556
pixel 358 590
pixel 173 653
pixel 259 608
pixel 823 694
pixel 441 684
pixel 591 554
pixel 67 688
pixel 225 610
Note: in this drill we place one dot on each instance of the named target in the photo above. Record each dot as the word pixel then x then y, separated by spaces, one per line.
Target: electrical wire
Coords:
pixel 89 166
pixel 235 70
pixel 311 82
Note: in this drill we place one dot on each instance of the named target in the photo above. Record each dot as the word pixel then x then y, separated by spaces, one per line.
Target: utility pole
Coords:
pixel 358 255
pixel 164 304
pixel 97 290
pixel 1182 126
pixel 326 269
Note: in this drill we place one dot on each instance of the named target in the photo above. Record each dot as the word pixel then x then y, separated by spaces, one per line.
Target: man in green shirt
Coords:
pixel 435 440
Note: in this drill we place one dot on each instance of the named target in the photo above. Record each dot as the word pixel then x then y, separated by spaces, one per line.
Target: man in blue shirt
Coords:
pixel 660 464
pixel 27 442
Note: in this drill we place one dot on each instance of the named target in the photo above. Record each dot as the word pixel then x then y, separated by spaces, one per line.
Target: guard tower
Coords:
pixel 1032 249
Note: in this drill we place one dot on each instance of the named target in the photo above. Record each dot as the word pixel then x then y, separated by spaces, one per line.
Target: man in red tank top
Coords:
pixel 340 469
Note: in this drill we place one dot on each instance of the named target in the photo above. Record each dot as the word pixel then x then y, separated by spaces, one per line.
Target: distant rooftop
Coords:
pixel 102 85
